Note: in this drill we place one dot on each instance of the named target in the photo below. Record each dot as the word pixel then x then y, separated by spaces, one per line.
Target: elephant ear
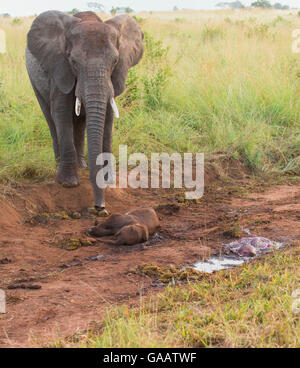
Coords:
pixel 131 50
pixel 46 41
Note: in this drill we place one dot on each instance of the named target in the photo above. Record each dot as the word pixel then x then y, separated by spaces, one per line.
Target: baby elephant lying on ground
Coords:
pixel 132 228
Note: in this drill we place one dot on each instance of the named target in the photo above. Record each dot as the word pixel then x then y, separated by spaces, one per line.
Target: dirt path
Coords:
pixel 69 298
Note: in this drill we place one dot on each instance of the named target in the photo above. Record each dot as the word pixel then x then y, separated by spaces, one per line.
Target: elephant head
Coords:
pixel 90 59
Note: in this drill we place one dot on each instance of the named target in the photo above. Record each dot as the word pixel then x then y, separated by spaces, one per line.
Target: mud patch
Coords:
pixel 80 295
pixel 14 299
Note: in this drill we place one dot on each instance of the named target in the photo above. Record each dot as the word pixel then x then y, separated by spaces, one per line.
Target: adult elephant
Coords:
pixel 77 66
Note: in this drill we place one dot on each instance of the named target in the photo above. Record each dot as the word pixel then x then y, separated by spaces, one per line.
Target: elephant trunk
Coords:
pixel 96 99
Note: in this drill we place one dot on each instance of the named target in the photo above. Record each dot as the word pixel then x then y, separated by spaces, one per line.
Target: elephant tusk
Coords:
pixel 77 106
pixel 115 108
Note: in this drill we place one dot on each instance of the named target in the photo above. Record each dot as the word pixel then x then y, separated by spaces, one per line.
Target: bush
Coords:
pixel 139 19
pixel 146 81
pixel 154 49
pixel 153 87
pixel 16 21
pixel 132 91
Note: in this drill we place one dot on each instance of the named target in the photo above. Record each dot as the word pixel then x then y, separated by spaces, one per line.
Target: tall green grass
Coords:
pixel 211 82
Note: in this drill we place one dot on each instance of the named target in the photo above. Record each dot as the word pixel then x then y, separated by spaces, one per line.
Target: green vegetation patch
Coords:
pixel 73 244
pixel 168 273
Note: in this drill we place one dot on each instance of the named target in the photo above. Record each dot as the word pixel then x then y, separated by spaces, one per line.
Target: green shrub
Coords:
pixel 153 87
pixel 16 21
pixel 146 81
pixel 132 91
pixel 154 49
pixel 138 19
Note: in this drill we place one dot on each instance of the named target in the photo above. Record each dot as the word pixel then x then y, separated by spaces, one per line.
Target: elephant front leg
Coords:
pixel 62 112
pixel 107 141
pixel 79 140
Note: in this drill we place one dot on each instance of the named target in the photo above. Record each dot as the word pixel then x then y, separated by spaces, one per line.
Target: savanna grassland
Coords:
pixel 215 82
pixel 210 81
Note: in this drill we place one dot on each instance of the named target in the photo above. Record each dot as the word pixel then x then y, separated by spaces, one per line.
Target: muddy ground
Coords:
pixel 53 292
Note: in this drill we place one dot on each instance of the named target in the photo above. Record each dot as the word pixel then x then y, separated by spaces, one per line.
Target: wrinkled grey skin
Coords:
pixel 80 56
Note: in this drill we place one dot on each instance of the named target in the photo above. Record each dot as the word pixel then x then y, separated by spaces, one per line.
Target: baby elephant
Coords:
pixel 132 228
pixel 132 234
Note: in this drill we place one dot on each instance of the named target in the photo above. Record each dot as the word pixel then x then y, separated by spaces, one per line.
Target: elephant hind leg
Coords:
pixel 79 125
pixel 47 113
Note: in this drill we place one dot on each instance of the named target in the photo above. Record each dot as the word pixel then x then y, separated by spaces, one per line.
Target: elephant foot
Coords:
pixel 82 164
pixel 67 179
pixel 103 213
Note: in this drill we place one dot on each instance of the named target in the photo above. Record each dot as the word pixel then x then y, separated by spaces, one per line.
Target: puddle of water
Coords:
pixel 217 264
pixel 239 251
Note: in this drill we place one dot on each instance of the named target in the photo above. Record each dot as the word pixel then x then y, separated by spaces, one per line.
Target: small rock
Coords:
pixel 76 215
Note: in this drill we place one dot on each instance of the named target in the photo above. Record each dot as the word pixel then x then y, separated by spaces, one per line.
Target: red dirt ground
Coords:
pixel 69 299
